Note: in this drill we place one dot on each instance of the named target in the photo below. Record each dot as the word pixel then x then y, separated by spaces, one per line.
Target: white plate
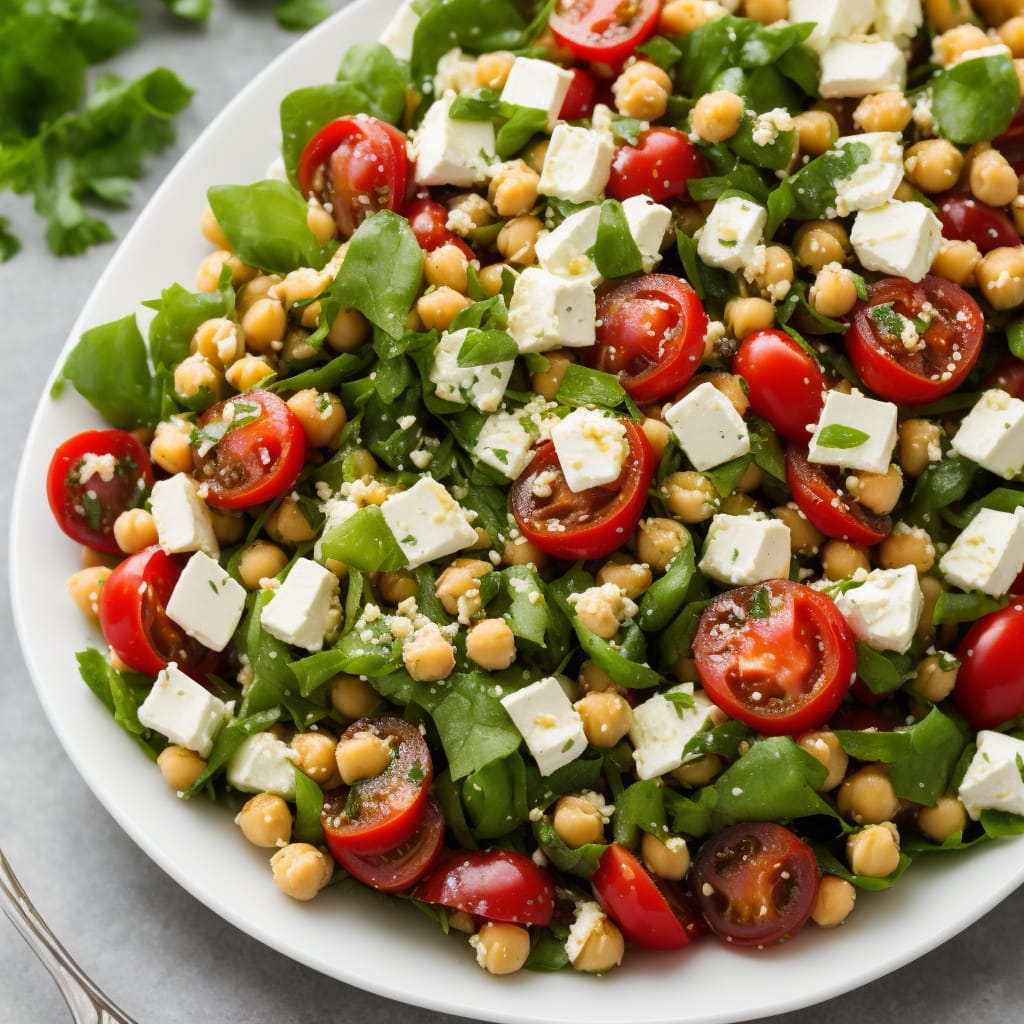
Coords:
pixel 391 949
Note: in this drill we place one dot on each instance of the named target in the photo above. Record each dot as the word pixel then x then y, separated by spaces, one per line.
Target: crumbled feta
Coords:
pixel 732 235
pixel 183 522
pixel 589 920
pixel 577 165
pixel 399 31
pixel 448 152
pixel 548 311
pixel 539 84
pixel 859 67
pixel 875 182
pixel 263 764
pixel 481 386
pixel 897 238
pixel 832 19
pixel 564 250
pixel 648 222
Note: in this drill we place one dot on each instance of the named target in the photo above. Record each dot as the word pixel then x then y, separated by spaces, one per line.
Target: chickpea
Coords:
pixel 547 382
pixel 491 644
pixel 946 818
pixel 577 822
pixel 258 288
pixel 825 747
pixel 835 901
pixel 957 261
pixel 468 212
pixel 818 243
pixel 744 316
pixel 458 587
pixel 520 551
pixel 642 91
pixel 875 851
pixel 804 537
pixel 1001 277
pixel 878 492
pixel 348 331
pixel 492 278
pixel 680 17
pixel 170 449
pixel 700 771
pixel 447 267
pixel 211 229
pixel 883 112
pixel 287 525
pixel 606 717
pixel 867 796
pixel 248 372
pixel 260 560
pixel 134 529
pixel 834 292
pixel 316 757
pixel 352 697
pixel 935 678
pixel 396 587
pixel 816 130
pixel 931 588
pixel 208 275
pixel 502 948
pixel 594 679
pixel 195 374
pixel 301 870
pixel 228 527
pixel 717 115
pixel 767 11
pixel 597 614
pixel 93 559
pixel 659 541
pixel 363 755
pixel 513 189
pixel 657 432
pixel 517 239
pixel 907 546
pixel 428 657
pixel 219 340
pixel 952 45
pixel 691 496
pixel 266 821
pixel 992 179
pixel 841 560
pixel 296 351
pixel 946 14
pixel 437 309
pixel 995 12
pixel 492 69
pixel 603 949
pixel 320 222
pixel 1011 35
pixel 180 766
pixel 919 445
pixel 668 858
pixel 933 165
pixel 321 414
pixel 264 324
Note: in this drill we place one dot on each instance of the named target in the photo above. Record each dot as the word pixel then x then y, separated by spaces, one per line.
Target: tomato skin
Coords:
pixel 254 462
pixel 595 522
pixel 598 30
pixel 1007 374
pixel 631 898
pixel 660 165
pixel 390 805
pixel 499 885
pixel 770 362
pixel 132 480
pixel 755 882
pixel 1011 142
pixel 970 220
pixel 429 222
pixel 990 682
pixel 781 674
pixel 579 100
pixel 952 342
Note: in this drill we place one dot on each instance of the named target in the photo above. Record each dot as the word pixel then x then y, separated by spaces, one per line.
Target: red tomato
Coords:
pixel 756 883
pixel 948 347
pixel 499 885
pixel 377 814
pixel 1011 142
pixel 778 656
pixel 832 511
pixel 651 333
pixel 590 523
pixel 607 31
pixel 250 449
pixel 1007 374
pixel 660 165
pixel 579 100
pixel 358 165
pixel 93 478
pixel 401 867
pixel 970 220
pixel 649 915
pixel 784 383
pixel 990 682
pixel 429 222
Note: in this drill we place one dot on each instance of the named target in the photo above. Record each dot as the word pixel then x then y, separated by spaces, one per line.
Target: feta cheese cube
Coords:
pixel 842 414
pixel 708 428
pixel 538 84
pixel 660 729
pixel 548 311
pixel 399 32
pixel 858 67
pixel 897 238
pixel 185 712
pixel 988 553
pixel 833 19
pixel 263 764
pixel 427 522
pixel 206 602
pixel 993 778
pixel 183 522
pixel 482 386
pixel 732 235
pixel 898 20
pixel 564 250
pixel 577 165
pixel 305 606
pixel 875 182
pixel 648 221
pixel 505 443
pixel 591 448
pixel 741 550
pixel 450 152
pixel 885 609
pixel 547 721
pixel 992 434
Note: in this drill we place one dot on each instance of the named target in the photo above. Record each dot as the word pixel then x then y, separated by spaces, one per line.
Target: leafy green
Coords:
pixel 883 672
pixel 666 596
pixel 295 14
pixel 582 386
pixel 838 435
pixel 230 737
pixel 309 802
pixel 365 541
pixel 954 607
pixel 975 100
pixel 581 860
pixel 494 797
pixel 811 192
pixel 179 313
pixel 615 253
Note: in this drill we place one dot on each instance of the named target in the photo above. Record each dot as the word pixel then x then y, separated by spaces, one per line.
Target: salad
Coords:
pixel 580 493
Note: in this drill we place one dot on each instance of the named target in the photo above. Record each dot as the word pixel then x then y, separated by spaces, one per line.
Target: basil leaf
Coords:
pixel 813 188
pixel 615 253
pixel 883 673
pixel 309 802
pixel 582 386
pixel 743 178
pixel 581 861
pixel 954 607
pixel 523 124
pixel 774 154
pixel 365 541
pixel 179 313
pixel 666 595
pixel 975 100
pixel 494 797
pixel 1015 338
pixel 481 348
pixel 639 807
pixel 887 319
pixel 838 435
pixel 228 739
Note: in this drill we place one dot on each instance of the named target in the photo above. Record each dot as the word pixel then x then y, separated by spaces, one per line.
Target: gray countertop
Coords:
pixel 154 948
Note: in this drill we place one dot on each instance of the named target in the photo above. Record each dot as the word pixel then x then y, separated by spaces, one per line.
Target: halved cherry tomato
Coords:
pixel 1007 374
pixel 649 915
pixel 499 885
pixel 377 814
pixel 93 478
pixel 429 222
pixel 651 333
pixel 604 30
pixel 937 358
pixel 660 165
pixel 358 165
pixel 579 100
pixel 756 883
pixel 971 220
pixel 250 449
pixel 825 504
pixel 785 385
pixel 778 656
pixel 1011 142
pixel 584 524
pixel 404 865
pixel 990 681
pixel 134 620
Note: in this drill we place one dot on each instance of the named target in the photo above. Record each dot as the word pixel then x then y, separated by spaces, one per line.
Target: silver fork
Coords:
pixel 87 1003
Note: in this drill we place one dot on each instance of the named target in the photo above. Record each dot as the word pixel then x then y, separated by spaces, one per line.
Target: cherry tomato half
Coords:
pixel 579 100
pixel 651 333
pixel 429 222
pixel 649 915
pixel 250 450
pixel 660 165
pixel 499 885
pixel 590 523
pixel 1011 142
pixel 990 682
pixel 377 814
pixel 93 478
pixel 1007 374
pixel 971 220
pixel 784 383
pixel 756 883
pixel 604 30
pixel 939 356
pixel 778 656
pixel 358 165
pixel 403 866
pixel 829 508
